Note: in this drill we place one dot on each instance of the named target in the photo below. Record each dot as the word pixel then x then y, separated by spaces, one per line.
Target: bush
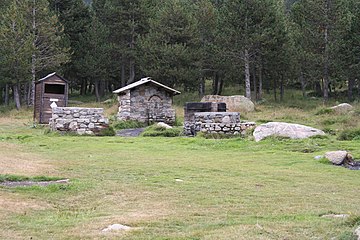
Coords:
pixel 118 125
pixel 158 131
pixel 107 132
pixel 349 134
pixel 324 111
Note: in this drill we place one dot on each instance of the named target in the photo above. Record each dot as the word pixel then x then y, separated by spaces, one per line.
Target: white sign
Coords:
pixel 54 100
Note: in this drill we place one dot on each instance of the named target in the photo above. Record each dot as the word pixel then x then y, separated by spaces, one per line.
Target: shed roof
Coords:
pixel 50 75
pixel 143 81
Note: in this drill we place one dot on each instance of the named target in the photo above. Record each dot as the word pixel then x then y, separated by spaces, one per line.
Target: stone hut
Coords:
pixel 146 101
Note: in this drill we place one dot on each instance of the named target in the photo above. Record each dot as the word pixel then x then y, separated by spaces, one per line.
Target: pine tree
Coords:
pixel 16 48
pixel 170 51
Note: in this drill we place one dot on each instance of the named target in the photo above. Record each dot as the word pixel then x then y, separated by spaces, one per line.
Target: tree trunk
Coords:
pixel 221 85
pixel 6 95
pixel 97 94
pixel 303 84
pixel 351 84
pixel 131 71
pixel 275 87
pixel 123 80
pixel 282 89
pixel 215 83
pixel 16 96
pixel 247 74
pixel 260 82
pixel 33 56
pixel 326 54
pixel 255 82
pixel 202 87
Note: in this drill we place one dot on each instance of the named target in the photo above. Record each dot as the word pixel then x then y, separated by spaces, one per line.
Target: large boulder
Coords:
pixel 235 103
pixel 282 129
pixel 336 157
pixel 342 108
pixel 340 157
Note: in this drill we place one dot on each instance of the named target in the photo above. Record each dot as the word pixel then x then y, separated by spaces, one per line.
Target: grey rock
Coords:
pixel 342 108
pixel 336 157
pixel 343 216
pixel 116 227
pixel 357 233
pixel 293 131
pixel 235 103
pixel 164 125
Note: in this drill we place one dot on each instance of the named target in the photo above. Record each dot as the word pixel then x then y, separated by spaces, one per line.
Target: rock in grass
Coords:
pixel 357 233
pixel 282 129
pixel 337 157
pixel 116 227
pixel 164 125
pixel 342 108
pixel 235 103
pixel 343 216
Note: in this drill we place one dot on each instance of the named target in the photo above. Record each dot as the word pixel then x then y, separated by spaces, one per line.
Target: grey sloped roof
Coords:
pixel 143 81
pixel 50 75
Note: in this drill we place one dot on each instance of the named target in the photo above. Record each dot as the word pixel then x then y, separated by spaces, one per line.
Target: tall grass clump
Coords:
pixel 349 134
pixel 159 131
pixel 118 125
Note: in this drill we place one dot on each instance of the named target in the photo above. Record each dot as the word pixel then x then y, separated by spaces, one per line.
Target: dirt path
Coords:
pixel 132 132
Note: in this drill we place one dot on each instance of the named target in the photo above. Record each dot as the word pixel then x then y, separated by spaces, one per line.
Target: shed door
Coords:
pixel 155 108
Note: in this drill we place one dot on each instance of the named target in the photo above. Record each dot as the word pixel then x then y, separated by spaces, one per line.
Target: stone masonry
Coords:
pixel 146 103
pixel 79 120
pixel 221 122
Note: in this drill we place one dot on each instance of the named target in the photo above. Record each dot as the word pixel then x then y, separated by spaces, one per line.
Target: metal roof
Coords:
pixel 143 81
pixel 50 75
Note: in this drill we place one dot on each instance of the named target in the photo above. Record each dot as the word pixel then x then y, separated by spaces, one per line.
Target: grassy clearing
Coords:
pixel 180 188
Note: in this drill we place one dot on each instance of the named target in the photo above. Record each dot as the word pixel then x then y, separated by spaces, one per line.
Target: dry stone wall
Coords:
pixel 217 122
pixel 79 120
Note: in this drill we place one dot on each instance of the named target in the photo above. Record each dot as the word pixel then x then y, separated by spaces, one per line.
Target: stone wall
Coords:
pixel 217 122
pixel 146 103
pixel 80 120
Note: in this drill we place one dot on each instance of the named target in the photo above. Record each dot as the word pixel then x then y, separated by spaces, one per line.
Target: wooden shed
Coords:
pixel 51 89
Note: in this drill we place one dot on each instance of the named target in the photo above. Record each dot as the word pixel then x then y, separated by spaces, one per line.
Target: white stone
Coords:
pixel 164 125
pixel 342 108
pixel 357 233
pixel 336 157
pixel 293 131
pixel 117 227
pixel 235 103
pixel 81 131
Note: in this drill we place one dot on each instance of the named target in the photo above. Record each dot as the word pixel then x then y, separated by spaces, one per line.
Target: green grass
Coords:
pixel 181 188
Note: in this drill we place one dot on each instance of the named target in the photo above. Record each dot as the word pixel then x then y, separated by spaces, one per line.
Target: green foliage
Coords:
pixel 159 131
pixel 217 135
pixel 349 135
pixel 118 125
pixel 324 111
pixel 109 131
pixel 17 178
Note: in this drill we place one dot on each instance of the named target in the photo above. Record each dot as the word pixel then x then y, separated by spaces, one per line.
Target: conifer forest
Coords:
pixel 192 45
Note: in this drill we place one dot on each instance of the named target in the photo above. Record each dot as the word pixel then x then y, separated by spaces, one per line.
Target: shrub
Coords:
pixel 158 131
pixel 107 132
pixel 118 125
pixel 324 111
pixel 349 134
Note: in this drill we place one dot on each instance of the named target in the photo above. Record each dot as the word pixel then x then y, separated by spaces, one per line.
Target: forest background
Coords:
pixel 258 45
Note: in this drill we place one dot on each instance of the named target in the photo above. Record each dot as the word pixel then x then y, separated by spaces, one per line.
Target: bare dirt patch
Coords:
pixel 32 183
pixel 13 160
pixel 11 203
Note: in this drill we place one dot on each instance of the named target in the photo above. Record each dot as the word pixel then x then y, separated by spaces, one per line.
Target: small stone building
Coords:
pixel 146 101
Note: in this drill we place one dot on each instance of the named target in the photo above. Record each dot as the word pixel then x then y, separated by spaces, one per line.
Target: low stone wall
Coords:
pixel 217 122
pixel 80 120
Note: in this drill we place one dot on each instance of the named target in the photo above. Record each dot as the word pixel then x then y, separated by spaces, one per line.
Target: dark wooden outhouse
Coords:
pixel 50 90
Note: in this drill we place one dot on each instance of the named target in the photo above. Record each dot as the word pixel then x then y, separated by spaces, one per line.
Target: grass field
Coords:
pixel 180 188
